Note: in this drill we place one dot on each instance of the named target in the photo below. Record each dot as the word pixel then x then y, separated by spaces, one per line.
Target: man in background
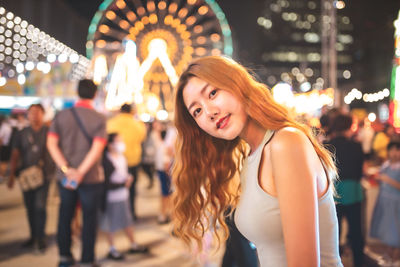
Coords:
pixel 76 141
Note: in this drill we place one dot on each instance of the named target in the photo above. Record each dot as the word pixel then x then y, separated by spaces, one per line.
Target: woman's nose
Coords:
pixel 211 111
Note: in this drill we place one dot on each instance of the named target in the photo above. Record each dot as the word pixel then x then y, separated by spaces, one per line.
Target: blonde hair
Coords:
pixel 205 165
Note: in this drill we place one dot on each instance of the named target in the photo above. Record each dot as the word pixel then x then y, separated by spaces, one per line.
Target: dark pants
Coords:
pixel 148 169
pixel 133 170
pixel 238 252
pixel 35 203
pixel 90 199
pixel 353 213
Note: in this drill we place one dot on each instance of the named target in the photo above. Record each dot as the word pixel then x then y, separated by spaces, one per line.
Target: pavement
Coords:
pixel 165 250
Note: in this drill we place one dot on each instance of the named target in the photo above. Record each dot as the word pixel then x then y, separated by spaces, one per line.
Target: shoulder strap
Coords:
pixel 80 124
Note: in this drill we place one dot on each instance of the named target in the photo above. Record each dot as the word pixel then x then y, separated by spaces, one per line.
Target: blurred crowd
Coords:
pixel 365 153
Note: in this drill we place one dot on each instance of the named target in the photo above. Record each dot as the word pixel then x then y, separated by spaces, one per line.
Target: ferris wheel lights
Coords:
pixel 203 10
pixel 153 18
pixel 190 20
pixel 185 35
pixel 216 52
pixel 141 11
pixel 183 12
pixel 176 22
pixel 110 15
pixel 124 24
pixel 181 28
pixel 168 20
pixel 198 29
pixel 215 37
pixel 120 4
pixel 145 20
pixel 172 7
pixel 151 6
pixel 104 28
pixel 162 5
pixel 131 16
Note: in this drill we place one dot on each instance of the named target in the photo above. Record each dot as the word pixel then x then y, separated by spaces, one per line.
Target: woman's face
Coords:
pixel 216 111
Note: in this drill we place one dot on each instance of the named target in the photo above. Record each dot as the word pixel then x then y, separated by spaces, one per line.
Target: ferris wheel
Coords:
pixel 167 35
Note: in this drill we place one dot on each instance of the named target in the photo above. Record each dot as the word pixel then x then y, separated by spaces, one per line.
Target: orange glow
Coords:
pixel 131 16
pixel 201 51
pixel 201 40
pixel 185 35
pixel 198 29
pixel 172 8
pixel 215 37
pixel 190 20
pixel 168 20
pixel 101 43
pixel 162 5
pixel 176 23
pixel 203 10
pixel 104 28
pixel 139 25
pixel 216 52
pixel 153 19
pixel 183 12
pixel 145 20
pixel 141 11
pixel 124 24
pixel 181 28
pixel 133 31
pixel 110 15
pixel 151 6
pixel 191 2
pixel 120 4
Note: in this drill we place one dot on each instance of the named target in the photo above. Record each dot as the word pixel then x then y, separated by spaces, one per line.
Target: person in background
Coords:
pixel 162 164
pixel 148 155
pixel 385 224
pixel 381 141
pixel 228 123
pixel 366 135
pixel 76 141
pixel 349 159
pixel 117 215
pixel 29 149
pixel 5 146
pixel 133 133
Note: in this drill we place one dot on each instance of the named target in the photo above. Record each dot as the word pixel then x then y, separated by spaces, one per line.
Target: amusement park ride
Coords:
pixel 139 49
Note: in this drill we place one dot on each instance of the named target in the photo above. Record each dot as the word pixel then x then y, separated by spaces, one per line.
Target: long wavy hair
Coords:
pixel 205 165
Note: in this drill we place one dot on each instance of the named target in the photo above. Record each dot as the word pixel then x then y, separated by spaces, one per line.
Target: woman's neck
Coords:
pixel 253 134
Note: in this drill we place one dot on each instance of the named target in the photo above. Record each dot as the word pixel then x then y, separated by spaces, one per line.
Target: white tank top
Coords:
pixel 258 218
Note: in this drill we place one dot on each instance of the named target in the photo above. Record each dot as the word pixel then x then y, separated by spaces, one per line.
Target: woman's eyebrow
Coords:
pixel 201 92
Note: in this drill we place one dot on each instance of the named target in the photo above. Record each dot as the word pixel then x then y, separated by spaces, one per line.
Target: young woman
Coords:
pixel 227 123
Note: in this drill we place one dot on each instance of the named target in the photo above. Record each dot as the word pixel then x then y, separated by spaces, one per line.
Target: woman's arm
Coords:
pixel 295 180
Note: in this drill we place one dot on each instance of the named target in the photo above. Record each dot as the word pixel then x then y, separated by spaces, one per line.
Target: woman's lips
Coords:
pixel 223 122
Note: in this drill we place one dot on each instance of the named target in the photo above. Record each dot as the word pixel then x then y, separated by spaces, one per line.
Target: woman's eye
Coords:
pixel 213 92
pixel 196 112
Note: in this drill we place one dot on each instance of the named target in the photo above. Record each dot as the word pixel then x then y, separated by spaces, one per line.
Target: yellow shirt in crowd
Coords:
pixel 380 143
pixel 133 133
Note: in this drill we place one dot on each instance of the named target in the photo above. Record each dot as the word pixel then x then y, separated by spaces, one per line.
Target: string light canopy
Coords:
pixel 166 36
pixel 24 47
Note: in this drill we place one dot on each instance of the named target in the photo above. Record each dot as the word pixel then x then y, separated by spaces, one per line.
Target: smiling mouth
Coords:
pixel 223 122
